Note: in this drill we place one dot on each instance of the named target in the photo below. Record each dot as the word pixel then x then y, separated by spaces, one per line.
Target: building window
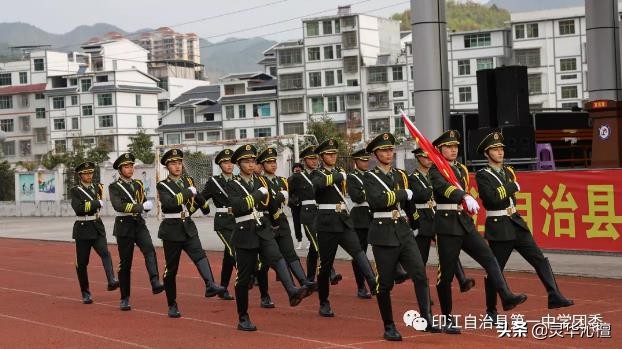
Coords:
pixel 351 64
pixel 464 67
pixel 331 104
pixel 242 133
pixel 349 39
pixel 60 145
pixel 39 96
pixel 88 142
pixel 104 99
pixel 566 27
pixel 6 102
pixel 173 138
pixel 569 92
pixel 377 75
pixel 464 94
pixel 8 148
pixel 41 135
pixel 570 105
pixel 530 28
pixel 317 105
pixel 139 121
pixel 398 73
pixel 208 117
pixel 7 125
pixel 25 148
pixel 189 135
pixel 85 85
pixel 101 78
pixel 263 132
pixel 397 106
pixel 59 124
pixel 313 54
pixel 352 82
pixel 5 79
pixel 484 63
pixel 229 112
pixel 106 142
pixel 242 111
pixel 377 126
pixel 87 110
pixel 24 101
pixel 568 76
pixel 528 57
pixel 339 77
pixel 40 113
pixel 212 136
pixel 39 64
pixel 229 134
pixel 337 27
pixel 73 82
pixel 75 124
pixel 534 84
pixel 23 77
pixel 315 79
pixel 163 105
pixel 58 102
pixel 292 105
pixel 477 40
pixel 337 50
pixel 74 100
pixel 327 27
pixel 24 123
pixel 105 121
pixel 400 129
pixel 313 29
pixel 290 56
pixel 261 110
pixel 378 100
pixel 294 128
pixel 568 64
pixel 138 100
pixel 397 94
pixel 328 52
pixel 188 116
pixel 290 82
pixel 329 78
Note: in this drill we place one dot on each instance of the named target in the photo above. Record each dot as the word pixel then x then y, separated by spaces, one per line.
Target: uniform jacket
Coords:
pixel 303 189
pixel 280 224
pixel 328 185
pixel 180 199
pixel 121 202
pixel 84 205
pixel 222 221
pixel 361 215
pixel 423 194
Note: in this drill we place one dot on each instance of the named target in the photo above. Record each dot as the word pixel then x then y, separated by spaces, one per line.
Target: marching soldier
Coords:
pixel 260 276
pixel 127 196
pixel 423 215
pixel 88 230
pixel 253 235
pixel 456 231
pixel 224 222
pixel 390 235
pixel 506 230
pixel 294 204
pixel 180 200
pixel 300 186
pixel 333 223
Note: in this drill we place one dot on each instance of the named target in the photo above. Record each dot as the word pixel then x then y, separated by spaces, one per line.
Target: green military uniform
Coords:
pixel 128 198
pixel 391 237
pixel 89 231
pixel 423 219
pixel 334 226
pixel 179 233
pixel 456 231
pixel 506 230
pixel 253 236
pixel 224 222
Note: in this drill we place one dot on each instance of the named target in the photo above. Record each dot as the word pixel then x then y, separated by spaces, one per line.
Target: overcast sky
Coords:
pixel 61 16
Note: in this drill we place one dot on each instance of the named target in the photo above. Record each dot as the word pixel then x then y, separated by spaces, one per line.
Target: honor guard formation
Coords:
pixel 397 213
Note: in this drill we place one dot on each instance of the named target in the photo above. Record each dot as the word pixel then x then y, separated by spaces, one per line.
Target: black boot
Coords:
pixel 173 311
pixel 211 288
pixel 299 274
pixel 261 275
pixel 245 324
pixel 444 297
pixel 465 282
pixel 295 294
pixel 86 297
pixel 226 296
pixel 325 309
pixel 400 274
pixel 266 302
pixel 362 293
pixel 113 283
pixel 509 300
pixel 556 299
pixel 391 333
pixel 491 301
pixel 241 299
pixel 154 277
pixel 363 264
pixel 450 326
pixel 335 277
pixel 422 291
pixel 125 304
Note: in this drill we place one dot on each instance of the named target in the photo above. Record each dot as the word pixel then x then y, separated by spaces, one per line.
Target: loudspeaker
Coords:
pixel 487 98
pixel 520 142
pixel 512 96
pixel 474 139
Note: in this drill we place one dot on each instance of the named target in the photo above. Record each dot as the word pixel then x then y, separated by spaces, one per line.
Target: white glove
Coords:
pixel 193 190
pixel 517 186
pixel 101 203
pixel 409 194
pixel 472 204
pixel 147 205
pixel 263 190
pixel 285 194
pixel 416 232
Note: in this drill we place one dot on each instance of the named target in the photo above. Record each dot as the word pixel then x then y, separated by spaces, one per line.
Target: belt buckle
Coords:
pixel 97 215
pixel 459 207
pixel 431 203
pixel 510 210
pixel 229 210
pixel 338 207
pixel 395 214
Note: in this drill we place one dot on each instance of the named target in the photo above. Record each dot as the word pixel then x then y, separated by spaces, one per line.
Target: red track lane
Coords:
pixel 41 308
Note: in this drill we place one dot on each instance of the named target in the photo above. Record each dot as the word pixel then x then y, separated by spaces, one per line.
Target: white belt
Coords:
pixel 308 202
pixel 248 217
pixel 180 215
pixel 498 213
pixel 395 214
pixel 333 207
pixel 88 218
pixel 362 204
pixel 121 214
pixel 223 210
pixel 424 206
pixel 449 207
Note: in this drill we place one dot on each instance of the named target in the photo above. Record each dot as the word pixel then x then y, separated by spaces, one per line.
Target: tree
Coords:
pixel 7 182
pixel 142 148
pixel 323 129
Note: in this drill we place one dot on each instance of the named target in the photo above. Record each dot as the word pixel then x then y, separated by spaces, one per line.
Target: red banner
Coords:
pixel 569 210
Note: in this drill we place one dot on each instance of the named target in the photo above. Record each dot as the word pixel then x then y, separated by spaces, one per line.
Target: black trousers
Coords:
pixel 83 252
pixel 387 259
pixel 297 226
pixel 361 233
pixel 228 257
pixel 125 245
pixel 286 246
pixel 172 254
pixel 424 243
pixel 328 242
pixel 313 256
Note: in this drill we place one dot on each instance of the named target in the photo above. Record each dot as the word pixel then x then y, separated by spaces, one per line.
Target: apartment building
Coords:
pixel 166 44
